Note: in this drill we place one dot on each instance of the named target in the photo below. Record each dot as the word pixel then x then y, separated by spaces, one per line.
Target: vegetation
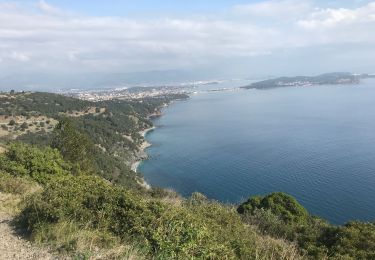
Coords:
pixel 103 136
pixel 72 191
pixel 281 216
pixel 334 78
pixel 83 214
pixel 70 209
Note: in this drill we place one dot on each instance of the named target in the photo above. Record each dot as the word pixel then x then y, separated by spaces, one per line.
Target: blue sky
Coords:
pixel 126 7
pixel 233 38
pixel 130 7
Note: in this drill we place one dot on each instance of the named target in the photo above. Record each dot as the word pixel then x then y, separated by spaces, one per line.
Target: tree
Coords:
pixel 74 146
pixel 12 122
pixel 24 126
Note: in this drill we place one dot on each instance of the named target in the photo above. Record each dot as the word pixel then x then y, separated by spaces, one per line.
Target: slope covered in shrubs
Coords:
pixel 82 214
pixel 281 216
pixel 70 207
pixel 107 131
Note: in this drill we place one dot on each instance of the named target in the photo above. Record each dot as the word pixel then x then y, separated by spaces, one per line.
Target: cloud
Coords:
pixel 42 5
pixel 19 56
pixel 331 18
pixel 48 38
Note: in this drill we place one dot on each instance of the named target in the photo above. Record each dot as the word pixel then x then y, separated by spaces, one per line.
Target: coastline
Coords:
pixel 142 148
pixel 142 156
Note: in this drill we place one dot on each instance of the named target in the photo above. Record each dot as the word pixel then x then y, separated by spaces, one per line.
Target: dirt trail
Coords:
pixel 12 246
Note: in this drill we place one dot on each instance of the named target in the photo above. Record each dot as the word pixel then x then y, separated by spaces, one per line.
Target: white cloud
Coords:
pixel 330 18
pixel 49 38
pixel 341 25
pixel 45 7
pixel 19 56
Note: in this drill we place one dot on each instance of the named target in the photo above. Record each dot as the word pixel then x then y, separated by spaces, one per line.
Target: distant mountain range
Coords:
pixel 56 82
pixel 335 78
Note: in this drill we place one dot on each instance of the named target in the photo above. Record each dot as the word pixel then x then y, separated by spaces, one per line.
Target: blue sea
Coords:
pixel 315 143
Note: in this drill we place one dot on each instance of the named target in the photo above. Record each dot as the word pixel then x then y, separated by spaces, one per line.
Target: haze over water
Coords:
pixel 315 143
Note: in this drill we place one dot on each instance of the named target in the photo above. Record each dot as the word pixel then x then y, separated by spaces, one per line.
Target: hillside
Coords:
pixel 71 189
pixel 336 78
pixel 111 128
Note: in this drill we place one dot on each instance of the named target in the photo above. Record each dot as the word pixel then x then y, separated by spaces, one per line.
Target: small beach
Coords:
pixel 142 148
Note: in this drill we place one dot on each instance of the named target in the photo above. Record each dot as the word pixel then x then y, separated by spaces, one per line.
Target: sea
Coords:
pixel 316 143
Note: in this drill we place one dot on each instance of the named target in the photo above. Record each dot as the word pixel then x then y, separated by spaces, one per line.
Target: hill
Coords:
pixel 111 128
pixel 336 78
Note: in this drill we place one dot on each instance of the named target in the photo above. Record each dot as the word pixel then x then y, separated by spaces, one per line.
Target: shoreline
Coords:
pixel 145 144
pixel 142 155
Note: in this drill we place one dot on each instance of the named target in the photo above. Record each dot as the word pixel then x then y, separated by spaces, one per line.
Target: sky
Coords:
pixel 70 42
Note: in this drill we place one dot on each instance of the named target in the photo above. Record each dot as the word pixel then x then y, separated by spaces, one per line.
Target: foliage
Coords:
pixel 105 142
pixel 38 164
pixel 205 230
pixel 36 138
pixel 314 236
pixel 280 204
pixel 73 145
pixel 39 103
pixel 355 240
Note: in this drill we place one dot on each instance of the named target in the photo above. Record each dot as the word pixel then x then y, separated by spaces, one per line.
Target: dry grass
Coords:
pixel 70 239
pixel 12 191
pixel 33 125
pixel 271 248
pixel 88 111
pixel 10 203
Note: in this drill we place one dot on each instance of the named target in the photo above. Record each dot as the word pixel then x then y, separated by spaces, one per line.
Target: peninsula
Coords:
pixel 335 78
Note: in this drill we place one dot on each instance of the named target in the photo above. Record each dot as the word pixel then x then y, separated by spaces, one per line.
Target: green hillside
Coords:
pixel 110 129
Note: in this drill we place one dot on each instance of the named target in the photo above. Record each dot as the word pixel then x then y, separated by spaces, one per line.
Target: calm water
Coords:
pixel 317 144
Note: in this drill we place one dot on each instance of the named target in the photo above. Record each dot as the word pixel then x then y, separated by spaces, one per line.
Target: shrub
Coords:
pixel 41 164
pixel 205 230
pixel 74 146
pixel 355 240
pixel 24 126
pixel 282 205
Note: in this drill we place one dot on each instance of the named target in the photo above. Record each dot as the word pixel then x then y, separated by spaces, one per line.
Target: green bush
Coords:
pixel 204 230
pixel 355 240
pixel 41 164
pixel 282 205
